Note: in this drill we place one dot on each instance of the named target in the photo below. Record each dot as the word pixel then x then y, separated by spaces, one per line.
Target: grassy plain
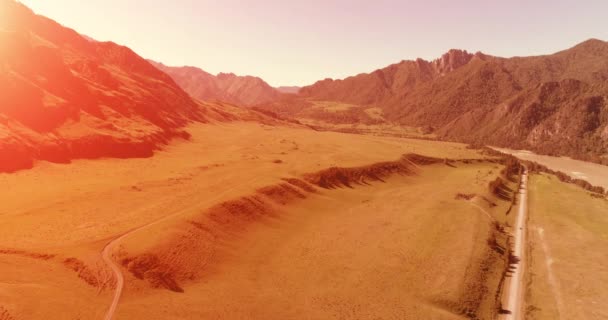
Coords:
pixel 568 239
pixel 400 247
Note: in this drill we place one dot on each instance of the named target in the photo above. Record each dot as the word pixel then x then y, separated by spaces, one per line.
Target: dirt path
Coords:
pixel 106 254
pixel 550 275
pixel 515 292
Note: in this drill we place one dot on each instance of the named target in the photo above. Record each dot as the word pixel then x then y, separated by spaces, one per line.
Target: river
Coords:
pixel 594 173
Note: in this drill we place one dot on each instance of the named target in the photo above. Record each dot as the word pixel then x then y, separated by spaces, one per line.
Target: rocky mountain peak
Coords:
pixel 452 60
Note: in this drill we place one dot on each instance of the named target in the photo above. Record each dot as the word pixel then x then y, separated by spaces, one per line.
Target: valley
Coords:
pixel 149 188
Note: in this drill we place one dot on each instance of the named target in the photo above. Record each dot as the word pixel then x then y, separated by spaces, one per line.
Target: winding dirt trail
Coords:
pixel 515 293
pixel 106 253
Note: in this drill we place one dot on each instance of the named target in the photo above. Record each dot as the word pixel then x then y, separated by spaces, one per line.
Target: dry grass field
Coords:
pixel 220 233
pixel 398 249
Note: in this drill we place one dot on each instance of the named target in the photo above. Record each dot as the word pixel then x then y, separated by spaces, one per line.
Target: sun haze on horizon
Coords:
pixel 298 43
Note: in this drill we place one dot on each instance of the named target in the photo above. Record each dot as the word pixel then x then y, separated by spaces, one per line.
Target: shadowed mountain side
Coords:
pixel 567 117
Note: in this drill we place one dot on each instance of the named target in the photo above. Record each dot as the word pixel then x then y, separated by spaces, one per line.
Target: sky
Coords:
pixel 299 42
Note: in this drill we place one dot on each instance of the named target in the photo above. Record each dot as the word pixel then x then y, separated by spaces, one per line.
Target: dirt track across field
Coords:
pixel 514 292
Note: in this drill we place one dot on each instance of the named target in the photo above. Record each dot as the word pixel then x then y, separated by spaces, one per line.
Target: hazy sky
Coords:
pixel 298 42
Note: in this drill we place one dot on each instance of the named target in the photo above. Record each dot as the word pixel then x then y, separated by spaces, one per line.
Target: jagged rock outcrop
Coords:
pixel 451 61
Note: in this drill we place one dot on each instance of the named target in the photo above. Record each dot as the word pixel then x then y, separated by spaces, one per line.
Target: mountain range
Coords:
pixel 553 104
pixel 64 96
pixel 241 90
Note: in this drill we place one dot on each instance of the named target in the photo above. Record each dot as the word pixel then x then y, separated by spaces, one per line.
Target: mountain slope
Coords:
pixel 552 104
pixel 64 97
pixel 566 117
pixel 228 87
